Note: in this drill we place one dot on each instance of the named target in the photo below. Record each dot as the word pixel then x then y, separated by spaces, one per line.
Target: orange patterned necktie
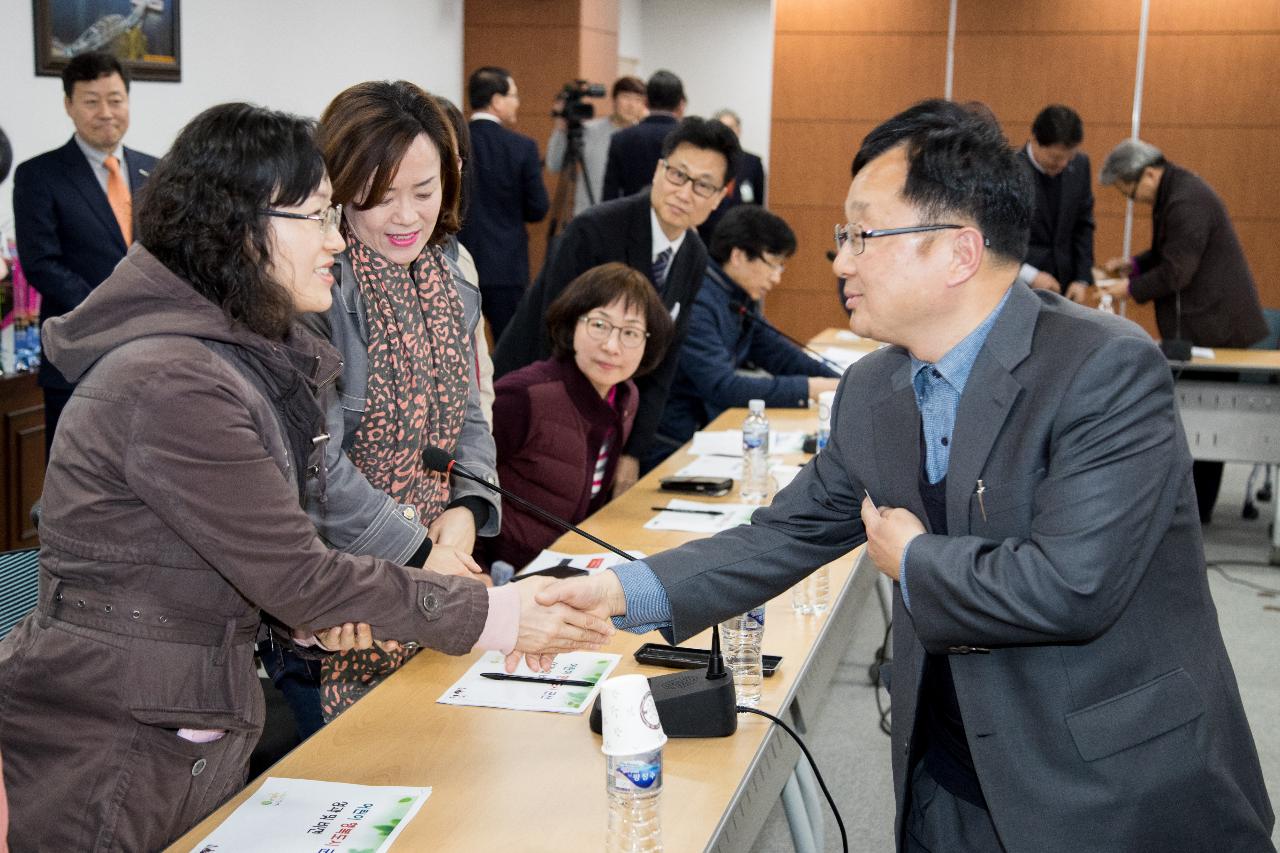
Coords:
pixel 118 198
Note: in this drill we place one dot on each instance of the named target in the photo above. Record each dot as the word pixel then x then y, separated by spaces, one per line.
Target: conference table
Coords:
pixel 1228 399
pixel 527 781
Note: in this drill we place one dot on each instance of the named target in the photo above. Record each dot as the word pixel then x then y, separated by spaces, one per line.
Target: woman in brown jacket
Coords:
pixel 129 702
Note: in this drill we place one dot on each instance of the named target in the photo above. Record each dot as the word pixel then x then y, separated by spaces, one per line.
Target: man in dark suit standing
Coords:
pixel 1060 254
pixel 73 206
pixel 651 231
pixel 1015 463
pixel 1195 270
pixel 748 186
pixel 634 150
pixel 506 192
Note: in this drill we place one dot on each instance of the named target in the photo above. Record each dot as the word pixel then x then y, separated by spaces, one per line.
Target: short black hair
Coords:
pixel 958 165
pixel 87 67
pixel 200 212
pixel 1058 125
pixel 708 135
pixel 754 230
pixel 6 155
pixel 664 91
pixel 601 286
pixel 484 83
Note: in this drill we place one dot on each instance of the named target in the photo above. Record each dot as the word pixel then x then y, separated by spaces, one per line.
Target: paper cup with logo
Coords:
pixel 629 717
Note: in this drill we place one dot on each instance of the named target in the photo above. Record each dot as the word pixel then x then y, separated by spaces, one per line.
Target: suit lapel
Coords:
pixel 989 396
pixel 80 175
pixel 639 248
pixel 895 427
pixel 1064 201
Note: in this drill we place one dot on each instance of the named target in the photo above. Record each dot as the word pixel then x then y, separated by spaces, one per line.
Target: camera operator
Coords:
pixel 628 109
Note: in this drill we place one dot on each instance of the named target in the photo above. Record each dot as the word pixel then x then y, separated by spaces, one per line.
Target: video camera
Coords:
pixel 574 110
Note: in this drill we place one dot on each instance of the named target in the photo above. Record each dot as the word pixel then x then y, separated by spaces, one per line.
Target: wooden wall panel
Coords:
pixel 1018 17
pixel 852 76
pixel 815 170
pixel 1209 80
pixel 864 16
pixel 1241 16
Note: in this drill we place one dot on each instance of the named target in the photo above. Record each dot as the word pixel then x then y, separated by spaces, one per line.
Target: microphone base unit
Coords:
pixel 689 705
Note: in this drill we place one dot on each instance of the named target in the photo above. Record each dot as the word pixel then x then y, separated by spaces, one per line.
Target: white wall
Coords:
pixel 721 49
pixel 286 54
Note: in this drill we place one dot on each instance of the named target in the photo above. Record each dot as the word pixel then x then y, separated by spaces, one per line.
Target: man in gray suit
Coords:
pixel 1060 681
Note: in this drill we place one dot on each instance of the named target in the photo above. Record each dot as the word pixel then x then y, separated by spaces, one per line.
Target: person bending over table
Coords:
pixel 129 700
pixel 1016 464
pixel 749 250
pixel 561 423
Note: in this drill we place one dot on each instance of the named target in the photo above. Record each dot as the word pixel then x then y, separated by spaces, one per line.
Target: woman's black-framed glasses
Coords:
pixel 599 329
pixel 857 238
pixel 329 219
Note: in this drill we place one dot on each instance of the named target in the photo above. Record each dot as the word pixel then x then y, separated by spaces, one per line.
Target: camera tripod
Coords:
pixel 572 169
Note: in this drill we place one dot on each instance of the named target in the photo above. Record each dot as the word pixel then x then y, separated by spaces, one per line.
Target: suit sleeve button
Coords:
pixel 430 603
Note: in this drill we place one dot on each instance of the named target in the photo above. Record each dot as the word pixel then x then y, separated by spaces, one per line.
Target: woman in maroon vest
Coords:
pixel 559 423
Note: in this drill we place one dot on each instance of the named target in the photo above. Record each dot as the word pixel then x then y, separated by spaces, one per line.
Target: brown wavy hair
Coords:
pixel 364 134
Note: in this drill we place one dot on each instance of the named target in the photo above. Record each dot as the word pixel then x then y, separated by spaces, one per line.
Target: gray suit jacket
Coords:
pixel 1099 703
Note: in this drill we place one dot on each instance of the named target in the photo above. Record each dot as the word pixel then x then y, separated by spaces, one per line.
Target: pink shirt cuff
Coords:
pixel 503 624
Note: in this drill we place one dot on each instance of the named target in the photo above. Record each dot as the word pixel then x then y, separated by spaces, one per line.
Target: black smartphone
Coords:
pixel 684 657
pixel 712 487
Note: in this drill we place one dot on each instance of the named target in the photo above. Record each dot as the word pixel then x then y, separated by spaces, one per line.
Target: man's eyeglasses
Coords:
pixel 600 329
pixel 329 219
pixel 679 177
pixel 857 238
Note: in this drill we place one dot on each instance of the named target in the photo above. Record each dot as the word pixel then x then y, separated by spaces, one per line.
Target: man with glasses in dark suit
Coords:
pixel 652 231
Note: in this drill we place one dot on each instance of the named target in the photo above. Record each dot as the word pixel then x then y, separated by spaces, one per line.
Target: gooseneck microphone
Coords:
pixel 688 705
pixel 443 462
pixel 756 318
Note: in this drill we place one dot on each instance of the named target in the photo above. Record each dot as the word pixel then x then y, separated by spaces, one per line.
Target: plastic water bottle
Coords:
pixel 755 454
pixel 634 783
pixel 813 593
pixel 1107 304
pixel 742 637
pixel 825 401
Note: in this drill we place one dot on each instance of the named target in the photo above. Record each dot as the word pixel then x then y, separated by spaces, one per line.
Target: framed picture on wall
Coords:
pixel 143 34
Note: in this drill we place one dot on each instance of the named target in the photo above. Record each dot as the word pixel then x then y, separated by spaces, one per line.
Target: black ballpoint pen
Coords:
pixel 532 679
pixel 690 511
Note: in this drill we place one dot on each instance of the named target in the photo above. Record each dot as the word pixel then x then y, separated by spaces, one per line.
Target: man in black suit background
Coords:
pixel 73 206
pixel 748 186
pixel 654 232
pixel 506 192
pixel 633 151
pixel 1060 256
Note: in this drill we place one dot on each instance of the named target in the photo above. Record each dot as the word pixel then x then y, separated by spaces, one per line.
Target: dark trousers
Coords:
pixel 1208 479
pixel 498 304
pixel 940 822
pixel 298 678
pixel 55 400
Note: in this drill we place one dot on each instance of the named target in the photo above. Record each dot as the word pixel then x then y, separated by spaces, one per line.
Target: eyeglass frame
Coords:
pixel 588 319
pixel 684 177
pixel 331 218
pixel 844 233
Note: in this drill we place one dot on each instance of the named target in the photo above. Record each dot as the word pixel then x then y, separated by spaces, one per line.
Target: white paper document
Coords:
pixel 589 563
pixel 728 442
pixel 713 466
pixel 843 357
pixel 309 816
pixel 784 474
pixel 701 517
pixel 476 690
pixel 1202 352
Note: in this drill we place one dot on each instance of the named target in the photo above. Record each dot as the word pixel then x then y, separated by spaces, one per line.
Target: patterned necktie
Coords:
pixel 118 198
pixel 660 265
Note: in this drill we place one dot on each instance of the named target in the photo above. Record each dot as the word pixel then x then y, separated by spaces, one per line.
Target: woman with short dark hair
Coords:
pixel 560 424
pixel 405 326
pixel 129 701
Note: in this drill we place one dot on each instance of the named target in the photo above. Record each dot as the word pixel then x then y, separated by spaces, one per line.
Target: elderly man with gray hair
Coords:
pixel 1195 270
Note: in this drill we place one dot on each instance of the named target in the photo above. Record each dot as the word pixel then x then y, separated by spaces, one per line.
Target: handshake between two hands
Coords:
pixel 555 616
